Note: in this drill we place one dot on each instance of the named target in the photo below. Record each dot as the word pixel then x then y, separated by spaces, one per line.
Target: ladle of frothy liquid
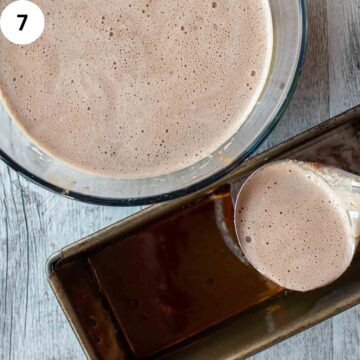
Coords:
pixel 298 223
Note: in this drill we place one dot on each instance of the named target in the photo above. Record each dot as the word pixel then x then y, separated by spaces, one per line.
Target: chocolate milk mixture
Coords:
pixel 132 89
pixel 293 227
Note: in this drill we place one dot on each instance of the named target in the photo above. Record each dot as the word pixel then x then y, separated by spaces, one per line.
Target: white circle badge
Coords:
pixel 22 22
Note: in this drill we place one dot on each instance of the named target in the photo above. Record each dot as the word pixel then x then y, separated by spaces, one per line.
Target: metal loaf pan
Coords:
pixel 252 330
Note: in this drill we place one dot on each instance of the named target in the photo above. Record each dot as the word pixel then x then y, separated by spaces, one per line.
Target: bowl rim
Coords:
pixel 138 201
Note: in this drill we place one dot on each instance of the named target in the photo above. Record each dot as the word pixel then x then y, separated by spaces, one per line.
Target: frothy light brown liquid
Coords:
pixel 293 227
pixel 138 88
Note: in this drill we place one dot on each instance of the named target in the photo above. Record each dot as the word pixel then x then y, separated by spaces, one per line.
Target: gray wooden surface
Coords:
pixel 34 223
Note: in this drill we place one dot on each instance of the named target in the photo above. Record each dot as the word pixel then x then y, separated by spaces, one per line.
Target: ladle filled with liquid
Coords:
pixel 298 222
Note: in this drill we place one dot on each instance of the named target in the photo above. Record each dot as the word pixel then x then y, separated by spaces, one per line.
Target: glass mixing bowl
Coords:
pixel 17 150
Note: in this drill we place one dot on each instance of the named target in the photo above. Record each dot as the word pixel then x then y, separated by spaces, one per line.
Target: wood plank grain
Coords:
pixel 344 54
pixel 33 224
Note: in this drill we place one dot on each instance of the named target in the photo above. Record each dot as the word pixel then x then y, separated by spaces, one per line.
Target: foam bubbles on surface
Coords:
pixel 138 88
pixel 301 237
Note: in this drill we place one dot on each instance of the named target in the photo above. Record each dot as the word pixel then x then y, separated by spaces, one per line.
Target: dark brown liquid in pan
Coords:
pixel 178 277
